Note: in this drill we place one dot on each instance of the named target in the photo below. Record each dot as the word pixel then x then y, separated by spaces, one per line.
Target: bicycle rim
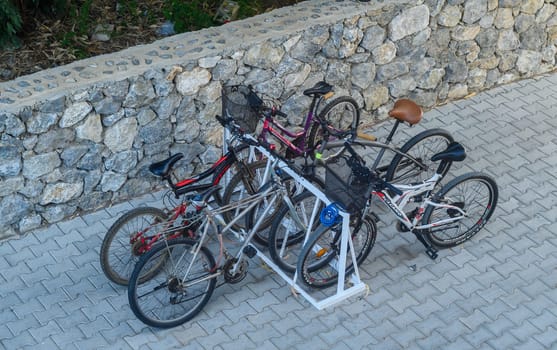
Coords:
pixel 122 245
pixel 179 291
pixel 319 263
pixel 476 196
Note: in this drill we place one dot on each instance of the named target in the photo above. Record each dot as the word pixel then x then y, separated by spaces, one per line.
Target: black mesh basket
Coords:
pixel 242 105
pixel 345 184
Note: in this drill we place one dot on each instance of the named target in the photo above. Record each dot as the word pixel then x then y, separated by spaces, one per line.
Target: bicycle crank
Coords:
pixel 241 270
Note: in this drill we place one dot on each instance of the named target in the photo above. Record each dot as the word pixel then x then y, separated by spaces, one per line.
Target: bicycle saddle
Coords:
pixel 320 89
pixel 163 167
pixel 454 153
pixel 406 111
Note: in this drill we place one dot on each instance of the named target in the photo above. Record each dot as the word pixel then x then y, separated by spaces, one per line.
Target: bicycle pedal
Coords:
pixel 432 253
pixel 250 251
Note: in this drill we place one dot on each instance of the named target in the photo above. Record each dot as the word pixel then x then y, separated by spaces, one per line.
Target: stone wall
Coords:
pixel 80 137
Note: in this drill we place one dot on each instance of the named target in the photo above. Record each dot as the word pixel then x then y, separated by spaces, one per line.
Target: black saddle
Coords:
pixel 454 153
pixel 163 167
pixel 320 89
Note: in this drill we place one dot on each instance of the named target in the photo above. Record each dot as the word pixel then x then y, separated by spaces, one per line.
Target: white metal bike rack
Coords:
pixel 343 291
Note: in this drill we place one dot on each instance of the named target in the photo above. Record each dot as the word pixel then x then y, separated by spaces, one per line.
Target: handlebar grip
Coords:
pixel 366 136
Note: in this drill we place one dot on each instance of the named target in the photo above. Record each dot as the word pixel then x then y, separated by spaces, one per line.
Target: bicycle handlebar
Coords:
pixel 229 124
pixel 379 183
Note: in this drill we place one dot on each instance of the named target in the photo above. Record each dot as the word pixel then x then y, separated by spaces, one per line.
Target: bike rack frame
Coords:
pixel 342 291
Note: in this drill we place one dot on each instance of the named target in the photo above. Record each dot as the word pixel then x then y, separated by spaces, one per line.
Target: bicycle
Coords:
pixel 449 210
pixel 410 163
pixel 136 231
pixel 340 115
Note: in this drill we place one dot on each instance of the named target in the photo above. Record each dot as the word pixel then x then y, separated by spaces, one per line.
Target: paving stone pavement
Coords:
pixel 496 291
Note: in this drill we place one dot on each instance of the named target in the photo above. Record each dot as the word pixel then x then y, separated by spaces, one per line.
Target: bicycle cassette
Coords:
pixel 241 271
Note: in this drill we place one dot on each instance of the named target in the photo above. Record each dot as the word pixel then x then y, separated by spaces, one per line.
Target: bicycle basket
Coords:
pixel 344 184
pixel 242 105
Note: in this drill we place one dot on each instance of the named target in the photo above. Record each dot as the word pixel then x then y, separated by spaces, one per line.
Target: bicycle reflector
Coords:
pixel 329 215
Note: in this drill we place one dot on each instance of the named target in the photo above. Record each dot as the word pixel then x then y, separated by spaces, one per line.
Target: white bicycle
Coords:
pixel 444 219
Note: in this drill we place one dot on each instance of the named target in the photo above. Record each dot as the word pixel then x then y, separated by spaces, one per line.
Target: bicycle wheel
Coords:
pixel 288 230
pixel 181 288
pixel 318 262
pixel 122 245
pixel 474 193
pixel 422 147
pixel 341 115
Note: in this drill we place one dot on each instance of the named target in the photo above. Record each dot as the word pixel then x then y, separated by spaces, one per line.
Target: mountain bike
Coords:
pixel 444 219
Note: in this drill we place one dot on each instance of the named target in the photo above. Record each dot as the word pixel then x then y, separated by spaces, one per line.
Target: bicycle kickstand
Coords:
pixel 429 249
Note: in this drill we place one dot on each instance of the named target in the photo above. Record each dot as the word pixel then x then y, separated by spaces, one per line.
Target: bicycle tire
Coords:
pixel 155 302
pixel 116 246
pixel 316 262
pixel 453 192
pixel 284 253
pixel 329 114
pixel 422 147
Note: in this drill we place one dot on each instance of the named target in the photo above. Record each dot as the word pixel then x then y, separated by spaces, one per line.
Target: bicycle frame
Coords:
pixel 147 242
pixel 298 146
pixel 397 203
pixel 366 143
pixel 217 170
pixel 299 138
pixel 213 220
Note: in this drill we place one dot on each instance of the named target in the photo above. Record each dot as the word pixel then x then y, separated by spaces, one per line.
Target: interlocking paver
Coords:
pixel 22 324
pixel 500 326
pixel 19 341
pixel 243 342
pixel 214 339
pixel 314 342
pixel 548 338
pixel 241 327
pixel 5 332
pixel 432 341
pixel 363 340
pixel 543 321
pixel 524 331
pixel 40 333
pixel 187 334
pixel 50 312
pixel 479 337
pixel 263 301
pixel 475 320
